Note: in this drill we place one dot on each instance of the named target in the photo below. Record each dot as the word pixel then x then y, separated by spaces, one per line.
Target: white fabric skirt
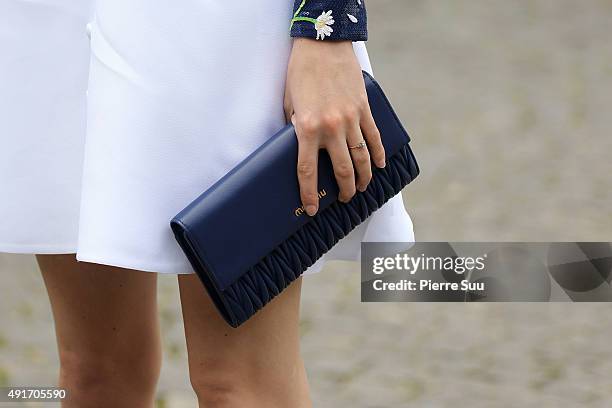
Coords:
pixel 114 115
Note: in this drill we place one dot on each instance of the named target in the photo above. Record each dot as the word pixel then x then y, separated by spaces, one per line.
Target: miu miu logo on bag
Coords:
pixel 300 210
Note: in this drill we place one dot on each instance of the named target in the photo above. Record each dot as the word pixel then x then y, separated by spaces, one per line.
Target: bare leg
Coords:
pixel 255 365
pixel 107 332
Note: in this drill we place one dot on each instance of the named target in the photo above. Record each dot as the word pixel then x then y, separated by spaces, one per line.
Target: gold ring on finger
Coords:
pixel 359 145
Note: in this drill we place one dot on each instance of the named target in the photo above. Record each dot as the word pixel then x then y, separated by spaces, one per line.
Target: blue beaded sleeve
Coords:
pixel 330 19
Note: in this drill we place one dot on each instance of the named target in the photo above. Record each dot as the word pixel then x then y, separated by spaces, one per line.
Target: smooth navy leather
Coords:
pixel 251 210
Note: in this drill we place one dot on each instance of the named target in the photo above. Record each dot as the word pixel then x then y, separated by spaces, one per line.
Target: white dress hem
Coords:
pixel 177 269
pixel 43 249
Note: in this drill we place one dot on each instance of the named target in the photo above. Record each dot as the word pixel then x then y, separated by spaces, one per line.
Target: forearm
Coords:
pixel 330 19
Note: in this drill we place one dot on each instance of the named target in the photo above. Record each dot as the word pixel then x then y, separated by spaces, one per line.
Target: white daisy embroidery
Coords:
pixel 323 25
pixel 352 18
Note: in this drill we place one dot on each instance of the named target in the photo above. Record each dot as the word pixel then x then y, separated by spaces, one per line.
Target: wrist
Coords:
pixel 307 42
pixel 333 53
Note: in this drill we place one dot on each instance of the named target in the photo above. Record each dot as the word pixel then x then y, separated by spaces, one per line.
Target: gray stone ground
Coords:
pixel 508 103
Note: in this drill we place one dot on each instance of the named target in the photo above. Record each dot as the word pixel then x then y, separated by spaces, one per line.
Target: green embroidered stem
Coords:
pixel 299 8
pixel 295 16
pixel 312 20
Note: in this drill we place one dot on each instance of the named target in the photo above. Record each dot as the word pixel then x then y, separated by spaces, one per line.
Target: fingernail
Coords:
pixel 381 163
pixel 311 210
pixel 362 188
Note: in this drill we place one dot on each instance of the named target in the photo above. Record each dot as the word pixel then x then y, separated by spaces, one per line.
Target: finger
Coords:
pixel 372 136
pixel 343 167
pixel 361 159
pixel 308 155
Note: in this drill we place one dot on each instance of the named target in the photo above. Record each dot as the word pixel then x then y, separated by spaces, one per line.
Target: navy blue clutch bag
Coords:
pixel 278 241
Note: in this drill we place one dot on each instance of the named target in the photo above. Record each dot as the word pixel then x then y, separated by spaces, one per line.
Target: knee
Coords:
pixel 224 382
pixel 90 373
pixel 219 392
pixel 229 384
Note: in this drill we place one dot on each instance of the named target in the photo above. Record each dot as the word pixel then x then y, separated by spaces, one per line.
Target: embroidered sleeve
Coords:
pixel 331 19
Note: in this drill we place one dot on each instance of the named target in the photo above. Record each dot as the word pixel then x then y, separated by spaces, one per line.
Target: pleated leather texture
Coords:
pixel 262 282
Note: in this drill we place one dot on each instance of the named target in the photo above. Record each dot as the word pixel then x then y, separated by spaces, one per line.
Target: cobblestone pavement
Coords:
pixel 508 106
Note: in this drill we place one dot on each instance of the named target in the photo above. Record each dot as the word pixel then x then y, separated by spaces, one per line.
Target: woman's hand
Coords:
pixel 326 100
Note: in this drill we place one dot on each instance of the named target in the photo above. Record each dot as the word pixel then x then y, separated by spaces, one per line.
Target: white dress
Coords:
pixel 114 115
